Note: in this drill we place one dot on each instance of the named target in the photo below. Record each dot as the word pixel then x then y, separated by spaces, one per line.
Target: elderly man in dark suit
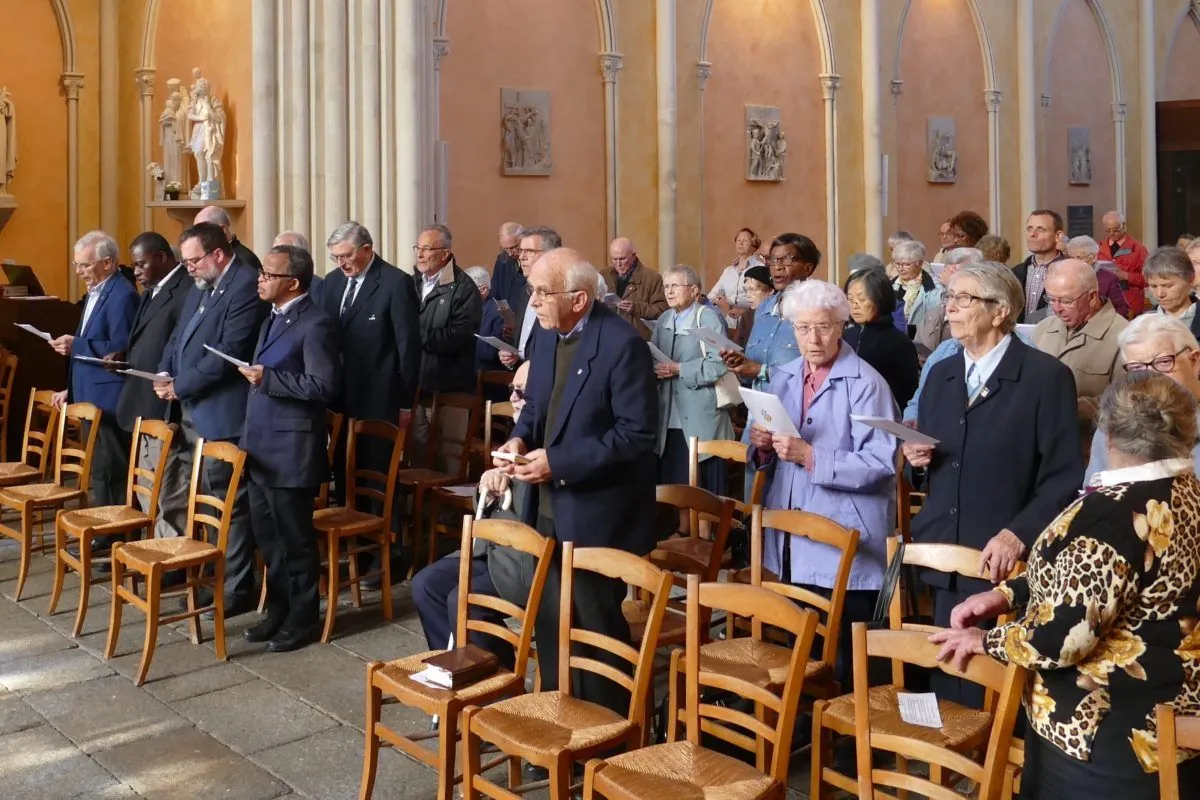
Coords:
pixel 375 305
pixel 165 285
pixel 297 239
pixel 222 311
pixel 294 375
pixel 220 217
pixel 108 313
pixel 589 429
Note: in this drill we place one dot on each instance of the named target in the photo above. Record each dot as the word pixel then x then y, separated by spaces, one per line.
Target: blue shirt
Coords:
pixel 772 340
pixel 986 365
pixel 943 351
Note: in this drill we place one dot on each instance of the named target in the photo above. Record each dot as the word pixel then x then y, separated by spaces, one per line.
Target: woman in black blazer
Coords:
pixel 1008 457
pixel 874 336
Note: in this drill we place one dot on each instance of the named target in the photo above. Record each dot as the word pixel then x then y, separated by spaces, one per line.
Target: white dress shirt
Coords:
pixel 93 297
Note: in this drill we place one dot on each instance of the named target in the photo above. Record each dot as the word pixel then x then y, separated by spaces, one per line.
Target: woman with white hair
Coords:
pixel 836 467
pixel 920 297
pixel 1158 343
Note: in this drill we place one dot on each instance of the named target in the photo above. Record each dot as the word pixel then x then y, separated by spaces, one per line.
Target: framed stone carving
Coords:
pixel 525 132
pixel 941 141
pixel 766 146
pixel 1079 156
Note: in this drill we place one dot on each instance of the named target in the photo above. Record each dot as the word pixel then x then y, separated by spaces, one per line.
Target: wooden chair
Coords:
pixel 684 768
pixel 730 451
pixel 394 679
pixel 872 716
pixel 150 559
pixel 128 521
pixel 908 500
pixel 37 447
pixel 420 480
pixel 8 373
pixel 72 478
pixel 555 730
pixel 1174 732
pixel 339 524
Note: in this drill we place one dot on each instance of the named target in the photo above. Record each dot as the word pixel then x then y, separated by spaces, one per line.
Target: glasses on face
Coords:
pixel 1112 231
pixel 263 275
pixel 906 264
pixel 517 392
pixel 194 262
pixel 540 292
pixel 823 330
pixel 426 249
pixel 964 300
pixel 670 286
pixel 1066 301
pixel 786 261
pixel 1161 364
pixel 78 265
pixel 343 258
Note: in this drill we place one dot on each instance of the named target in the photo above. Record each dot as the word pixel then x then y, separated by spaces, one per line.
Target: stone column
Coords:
pixel 265 89
pixel 1119 111
pixel 408 43
pixel 703 73
pixel 610 65
pixel 110 206
pixel 71 83
pixel 145 81
pixel 668 137
pixel 297 109
pixel 1148 67
pixel 872 131
pixel 991 99
pixel 441 190
pixel 829 87
pixel 335 133
pixel 1027 99
pixel 369 169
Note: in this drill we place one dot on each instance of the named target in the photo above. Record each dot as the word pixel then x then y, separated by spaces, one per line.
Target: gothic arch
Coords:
pixel 150 33
pixel 1110 48
pixel 985 45
pixel 824 35
pixel 66 33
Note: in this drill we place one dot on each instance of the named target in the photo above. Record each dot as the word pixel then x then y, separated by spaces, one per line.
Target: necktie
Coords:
pixel 348 299
pixel 197 317
pixel 973 383
pixel 270 322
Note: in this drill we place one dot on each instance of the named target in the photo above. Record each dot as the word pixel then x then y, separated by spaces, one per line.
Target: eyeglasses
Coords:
pixel 344 257
pixel 669 286
pixel 540 293
pixel 270 276
pixel 77 265
pixel 964 300
pixel 820 330
pixel 906 264
pixel 1066 301
pixel 1164 364
pixel 426 249
pixel 192 262
pixel 518 392
pixel 528 252
pixel 786 261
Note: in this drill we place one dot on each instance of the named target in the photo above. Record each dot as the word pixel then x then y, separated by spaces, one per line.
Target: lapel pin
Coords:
pixel 580 372
pixel 371 318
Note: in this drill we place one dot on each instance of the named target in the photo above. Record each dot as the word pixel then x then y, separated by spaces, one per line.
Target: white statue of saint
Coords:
pixel 172 148
pixel 8 140
pixel 208 132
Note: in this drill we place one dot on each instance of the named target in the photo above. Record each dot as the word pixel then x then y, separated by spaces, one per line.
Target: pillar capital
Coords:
pixel 441 49
pixel 610 65
pixel 991 99
pixel 71 83
pixel 1119 111
pixel 830 84
pixel 145 78
pixel 703 72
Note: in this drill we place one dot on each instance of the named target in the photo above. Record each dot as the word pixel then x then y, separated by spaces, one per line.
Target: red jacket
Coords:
pixel 1130 255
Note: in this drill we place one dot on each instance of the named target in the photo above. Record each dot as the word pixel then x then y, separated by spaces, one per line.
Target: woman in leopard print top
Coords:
pixel 1109 619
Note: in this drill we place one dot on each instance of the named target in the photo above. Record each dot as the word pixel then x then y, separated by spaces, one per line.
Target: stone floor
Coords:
pixel 257 726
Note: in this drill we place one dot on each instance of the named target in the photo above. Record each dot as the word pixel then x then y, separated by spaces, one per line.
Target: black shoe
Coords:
pixel 399 569
pixel 289 639
pixel 265 630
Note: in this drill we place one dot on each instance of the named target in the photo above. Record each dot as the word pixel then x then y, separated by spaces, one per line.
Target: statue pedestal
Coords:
pixel 8 204
pixel 184 211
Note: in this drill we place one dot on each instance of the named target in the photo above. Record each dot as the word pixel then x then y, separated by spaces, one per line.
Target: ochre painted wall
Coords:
pixel 36 234
pixel 530 44
pixel 764 53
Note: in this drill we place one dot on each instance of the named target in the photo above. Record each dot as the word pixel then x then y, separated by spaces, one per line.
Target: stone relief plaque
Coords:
pixel 941 141
pixel 525 132
pixel 766 145
pixel 1079 156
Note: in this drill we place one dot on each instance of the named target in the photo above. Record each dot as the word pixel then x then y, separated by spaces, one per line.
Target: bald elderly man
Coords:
pixel 1129 255
pixel 219 216
pixel 296 239
pixel 638 289
pixel 1081 332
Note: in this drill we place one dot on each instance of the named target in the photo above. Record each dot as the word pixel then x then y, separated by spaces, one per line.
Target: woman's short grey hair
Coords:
pixel 351 233
pixel 998 284
pixel 1083 244
pixel 690 278
pixel 1169 262
pixel 1149 416
pixel 101 244
pixel 910 251
pixel 1149 327
pixel 812 295
pixel 964 255
pixel 898 237
pixel 480 276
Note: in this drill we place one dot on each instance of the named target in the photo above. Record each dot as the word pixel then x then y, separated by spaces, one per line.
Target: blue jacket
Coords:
pixel 601 450
pixel 285 439
pixel 106 332
pixel 486 356
pixel 210 388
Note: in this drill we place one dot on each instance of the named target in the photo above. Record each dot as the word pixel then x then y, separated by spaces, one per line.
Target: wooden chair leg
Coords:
pixel 153 598
pixel 471 761
pixel 820 752
pixel 355 580
pixel 560 778
pixel 85 581
pixel 26 542
pixel 431 527
pixel 334 545
pixel 385 564
pixel 60 570
pixel 219 607
pixel 193 601
pixel 371 752
pixel 447 747
pixel 118 601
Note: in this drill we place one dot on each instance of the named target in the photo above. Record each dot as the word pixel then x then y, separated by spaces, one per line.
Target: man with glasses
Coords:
pixel 1082 333
pixel 638 290
pixel 222 311
pixel 508 282
pixel 1129 255
pixel 533 243
pixel 451 310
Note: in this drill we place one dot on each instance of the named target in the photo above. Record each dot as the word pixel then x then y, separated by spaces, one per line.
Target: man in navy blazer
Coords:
pixel 108 313
pixel 588 430
pixel 294 377
pixel 224 312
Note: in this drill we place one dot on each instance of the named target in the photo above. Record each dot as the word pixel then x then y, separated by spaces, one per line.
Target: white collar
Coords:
pixel 1155 470
pixel 95 290
pixel 156 287
pixel 286 307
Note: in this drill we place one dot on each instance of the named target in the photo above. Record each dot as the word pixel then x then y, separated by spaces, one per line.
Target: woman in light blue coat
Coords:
pixel 837 468
pixel 687 396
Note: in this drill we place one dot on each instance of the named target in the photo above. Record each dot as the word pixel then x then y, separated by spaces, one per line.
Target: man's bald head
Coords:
pixel 1078 273
pixel 292 239
pixel 1073 292
pixel 217 216
pixel 621 255
pixel 1114 225
pixel 564 287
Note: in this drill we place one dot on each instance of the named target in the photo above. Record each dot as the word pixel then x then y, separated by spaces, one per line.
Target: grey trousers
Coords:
pixel 173 496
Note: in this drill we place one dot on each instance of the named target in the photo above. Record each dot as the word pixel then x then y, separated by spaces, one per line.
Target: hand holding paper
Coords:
pixel 499 344
pixel 897 429
pixel 38 333
pixel 766 410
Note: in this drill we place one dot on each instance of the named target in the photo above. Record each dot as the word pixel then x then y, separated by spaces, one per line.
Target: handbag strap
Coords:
pixel 891 577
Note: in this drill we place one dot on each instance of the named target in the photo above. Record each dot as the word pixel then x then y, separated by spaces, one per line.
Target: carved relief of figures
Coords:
pixel 1079 156
pixel 943 150
pixel 766 146
pixel 525 132
pixel 8 140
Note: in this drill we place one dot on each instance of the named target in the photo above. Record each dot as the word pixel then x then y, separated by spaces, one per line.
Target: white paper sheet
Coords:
pixel 1025 331
pixel 468 490
pixel 429 677
pixel 94 360
pixel 766 410
pixel 610 299
pixel 919 709
pixel 237 362
pixel 499 344
pixel 659 356
pixel 713 339
pixel 34 331
pixel 150 376
pixel 899 430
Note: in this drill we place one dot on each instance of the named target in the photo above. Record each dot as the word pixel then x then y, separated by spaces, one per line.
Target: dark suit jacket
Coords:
pixel 450 318
pixel 106 332
pixel 601 451
pixel 152 327
pixel 486 356
pixel 509 284
pixel 210 388
pixel 285 439
pixel 381 342
pixel 1022 272
pixel 316 290
pixel 1012 460
pixel 245 255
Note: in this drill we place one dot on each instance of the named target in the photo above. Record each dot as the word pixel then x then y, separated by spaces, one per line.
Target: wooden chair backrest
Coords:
pixel 143 482
pixel 914 647
pixel 726 450
pixel 504 533
pixel 492 377
pixel 1174 731
pixel 953 559
pixel 368 483
pixel 491 413
pixel 75 459
pixel 642 576
pixel 441 439
pixel 905 494
pixel 700 504
pixel 334 422
pixel 8 373
pixel 765 607
pixel 818 529
pixel 210 510
pixel 41 430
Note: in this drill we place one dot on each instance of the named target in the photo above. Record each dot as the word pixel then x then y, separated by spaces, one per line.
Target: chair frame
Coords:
pixel 1174 731
pixel 726 450
pixel 194 565
pixel 448 707
pixel 9 362
pixel 634 571
pixel 86 532
pixel 38 442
